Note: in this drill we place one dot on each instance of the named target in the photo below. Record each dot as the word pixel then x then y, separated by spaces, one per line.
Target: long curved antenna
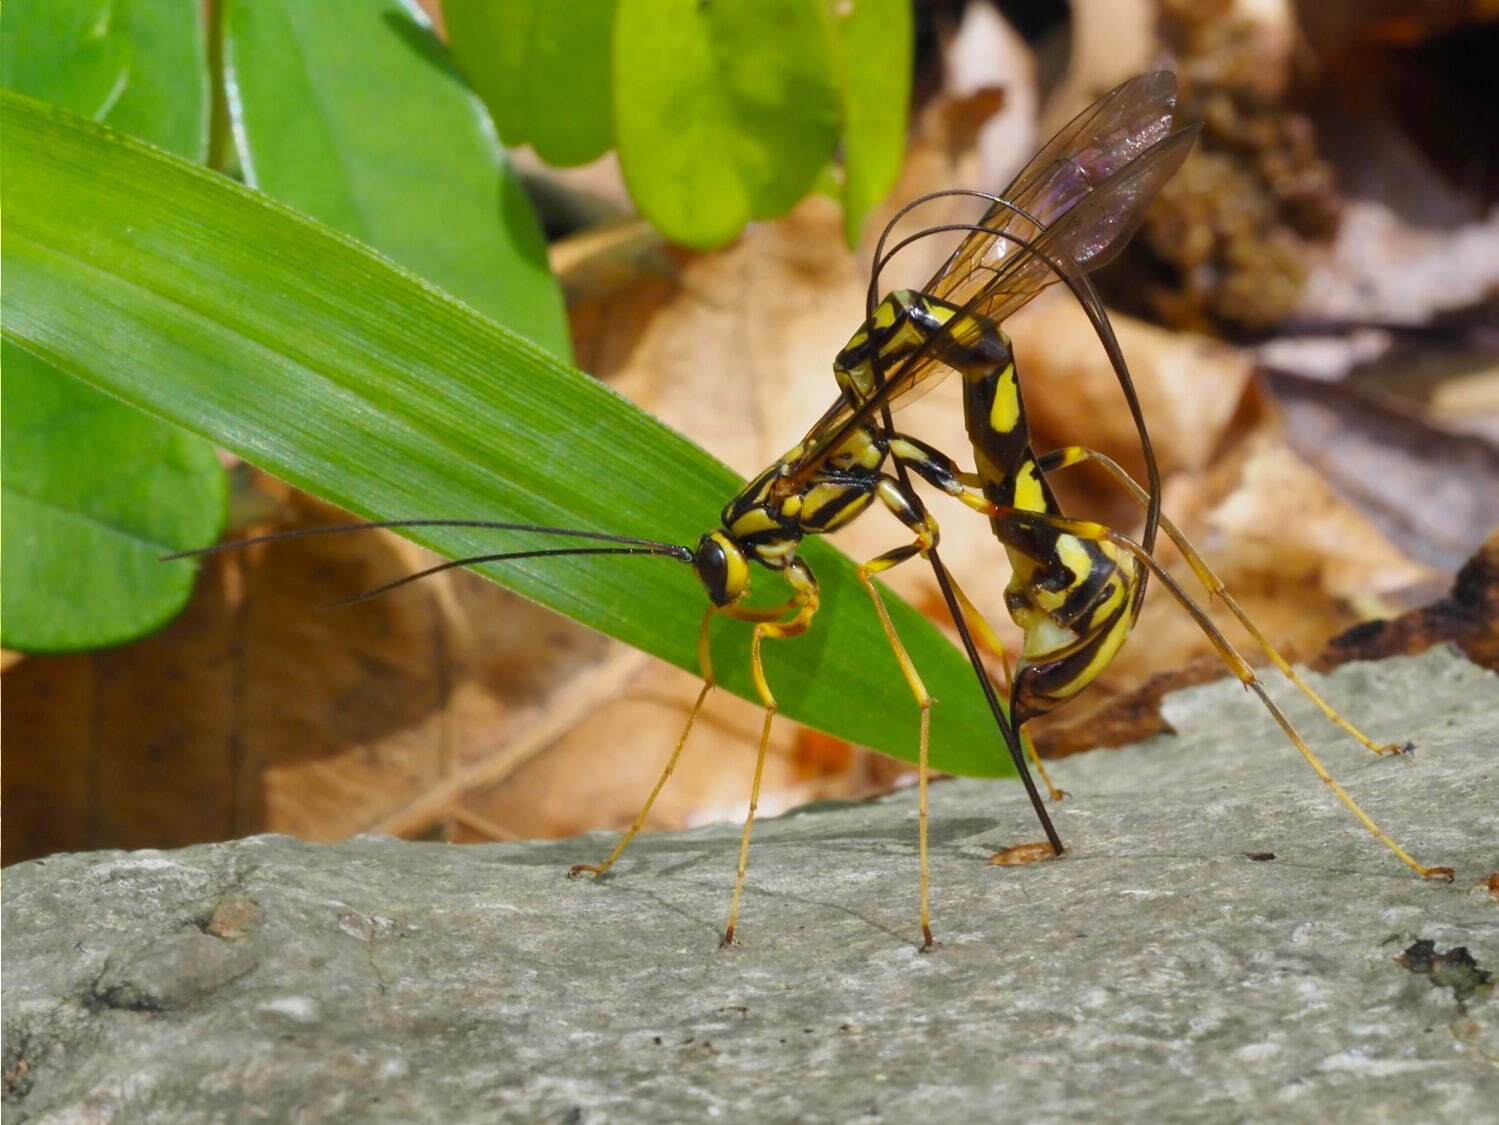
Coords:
pixel 657 548
pixel 474 560
pixel 880 257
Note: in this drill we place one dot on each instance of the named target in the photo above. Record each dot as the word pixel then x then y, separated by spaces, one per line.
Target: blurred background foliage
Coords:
pixel 1309 311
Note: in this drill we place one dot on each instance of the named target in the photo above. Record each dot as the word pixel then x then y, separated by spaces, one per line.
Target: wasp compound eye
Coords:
pixel 720 567
pixel 711 562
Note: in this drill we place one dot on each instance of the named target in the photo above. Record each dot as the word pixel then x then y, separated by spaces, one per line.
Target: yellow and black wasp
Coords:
pixel 1076 585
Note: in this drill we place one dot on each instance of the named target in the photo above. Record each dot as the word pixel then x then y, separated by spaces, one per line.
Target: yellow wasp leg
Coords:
pixel 705 663
pixel 942 472
pixel 1076 454
pixel 986 635
pixel 907 508
pixel 1086 529
pixel 805 604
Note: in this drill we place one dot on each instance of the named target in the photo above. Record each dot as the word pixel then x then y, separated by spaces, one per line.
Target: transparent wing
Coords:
pixel 1090 234
pixel 1087 236
pixel 1082 157
pixel 1086 221
pixel 1084 161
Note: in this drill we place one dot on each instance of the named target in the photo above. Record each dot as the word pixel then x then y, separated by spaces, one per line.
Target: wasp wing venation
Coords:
pixel 1084 154
pixel 1091 160
pixel 1091 234
pixel 1089 230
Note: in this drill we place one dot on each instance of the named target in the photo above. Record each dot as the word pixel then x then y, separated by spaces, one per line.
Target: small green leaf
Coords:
pixel 352 113
pixel 543 70
pixel 67 53
pixel 81 546
pixel 93 489
pixel 138 65
pixel 874 41
pixel 330 366
pixel 724 111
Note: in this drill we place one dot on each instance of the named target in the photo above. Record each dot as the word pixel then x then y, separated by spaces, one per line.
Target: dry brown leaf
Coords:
pixel 1190 387
pixel 1382 268
pixel 255 712
pixel 598 773
pixel 1285 508
pixel 1112 40
pixel 598 262
pixel 1467 617
pixel 1433 490
pixel 988 56
pixel 1469 401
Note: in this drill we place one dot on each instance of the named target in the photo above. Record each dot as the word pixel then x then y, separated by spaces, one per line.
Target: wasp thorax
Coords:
pixel 721 567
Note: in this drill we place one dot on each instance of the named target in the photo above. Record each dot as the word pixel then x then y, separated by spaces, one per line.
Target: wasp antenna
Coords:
pixel 374 525
pixel 668 550
pixel 881 258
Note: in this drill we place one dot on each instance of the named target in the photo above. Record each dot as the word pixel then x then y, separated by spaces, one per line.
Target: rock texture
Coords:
pixel 1165 969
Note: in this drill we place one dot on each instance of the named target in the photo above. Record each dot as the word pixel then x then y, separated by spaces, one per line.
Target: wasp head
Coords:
pixel 721 567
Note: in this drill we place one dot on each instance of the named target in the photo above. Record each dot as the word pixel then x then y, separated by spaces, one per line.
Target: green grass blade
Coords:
pixel 306 353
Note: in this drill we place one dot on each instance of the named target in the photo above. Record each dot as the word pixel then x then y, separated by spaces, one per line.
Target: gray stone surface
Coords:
pixel 1155 973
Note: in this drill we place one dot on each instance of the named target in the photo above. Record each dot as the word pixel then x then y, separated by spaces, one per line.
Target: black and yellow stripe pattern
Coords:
pixel 1074 597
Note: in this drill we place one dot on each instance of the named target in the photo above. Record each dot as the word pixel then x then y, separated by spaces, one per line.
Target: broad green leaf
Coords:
pixel 79 541
pixel 874 43
pixel 542 69
pixel 94 489
pixel 139 65
pixel 67 53
pixel 352 113
pixel 724 111
pixel 330 366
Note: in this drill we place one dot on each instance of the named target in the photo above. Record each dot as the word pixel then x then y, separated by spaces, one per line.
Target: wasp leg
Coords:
pixel 907 508
pixel 1086 529
pixel 942 472
pixel 1076 454
pixel 705 662
pixel 804 605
